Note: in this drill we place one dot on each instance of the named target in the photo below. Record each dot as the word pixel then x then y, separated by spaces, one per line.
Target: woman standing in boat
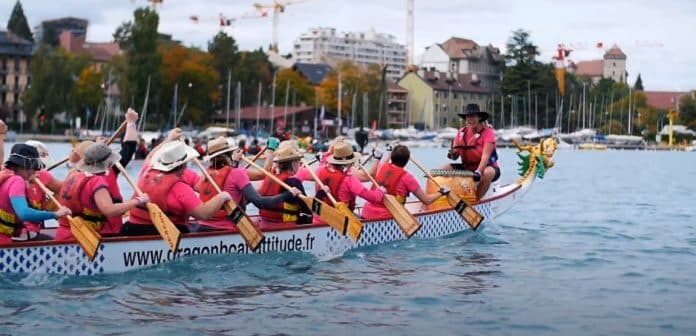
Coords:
pixel 234 180
pixel 86 193
pixel 286 163
pixel 399 183
pixel 164 183
pixel 475 145
pixel 338 176
pixel 20 167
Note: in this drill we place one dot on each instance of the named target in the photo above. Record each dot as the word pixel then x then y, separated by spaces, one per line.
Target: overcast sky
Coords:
pixel 657 36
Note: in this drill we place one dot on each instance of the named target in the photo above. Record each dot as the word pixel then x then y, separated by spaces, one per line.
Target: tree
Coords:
pixel 253 68
pixel 301 90
pixel 122 35
pixel 18 23
pixel 520 49
pixel 639 84
pixel 224 51
pixel 87 91
pixel 193 71
pixel 687 110
pixel 144 61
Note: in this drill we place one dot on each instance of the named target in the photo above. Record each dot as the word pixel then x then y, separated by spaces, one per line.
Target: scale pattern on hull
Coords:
pixel 56 259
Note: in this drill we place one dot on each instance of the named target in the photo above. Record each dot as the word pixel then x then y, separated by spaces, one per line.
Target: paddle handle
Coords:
pixel 108 142
pixel 47 192
pixel 273 177
pixel 207 176
pixel 319 182
pixel 128 178
pixel 427 174
pixel 372 179
pixel 257 156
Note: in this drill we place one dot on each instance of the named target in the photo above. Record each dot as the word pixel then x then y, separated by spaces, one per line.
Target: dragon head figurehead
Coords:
pixel 538 157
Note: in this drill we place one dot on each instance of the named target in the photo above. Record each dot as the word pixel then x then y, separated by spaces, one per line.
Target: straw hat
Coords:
pixel 173 154
pixel 218 146
pixel 98 158
pixel 343 154
pixel 42 149
pixel 25 156
pixel 287 151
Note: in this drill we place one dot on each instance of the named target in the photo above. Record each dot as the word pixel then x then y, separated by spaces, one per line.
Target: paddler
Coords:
pixel 87 194
pixel 20 167
pixel 36 197
pixel 398 182
pixel 224 160
pixel 475 145
pixel 286 163
pixel 163 181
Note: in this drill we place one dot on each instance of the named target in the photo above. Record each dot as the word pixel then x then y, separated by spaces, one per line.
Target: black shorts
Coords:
pixel 129 229
pixel 460 166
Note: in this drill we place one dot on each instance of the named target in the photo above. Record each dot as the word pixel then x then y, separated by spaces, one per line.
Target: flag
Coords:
pixel 194 18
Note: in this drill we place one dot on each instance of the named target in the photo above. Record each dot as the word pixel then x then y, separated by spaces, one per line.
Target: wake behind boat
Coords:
pixel 121 254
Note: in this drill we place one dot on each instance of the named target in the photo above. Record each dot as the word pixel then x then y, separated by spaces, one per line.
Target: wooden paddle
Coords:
pixel 169 232
pixel 408 224
pixel 354 225
pixel 108 142
pixel 85 235
pixel 257 156
pixel 251 233
pixel 328 214
pixel 470 215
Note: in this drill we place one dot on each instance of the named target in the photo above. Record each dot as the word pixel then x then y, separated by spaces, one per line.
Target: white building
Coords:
pixel 325 45
pixel 611 66
pixel 463 56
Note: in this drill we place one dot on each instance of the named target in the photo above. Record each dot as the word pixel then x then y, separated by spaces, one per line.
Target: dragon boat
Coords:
pixel 121 254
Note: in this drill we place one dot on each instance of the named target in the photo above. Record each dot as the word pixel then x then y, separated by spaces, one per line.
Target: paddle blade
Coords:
pixel 354 225
pixel 472 217
pixel 250 232
pixel 88 239
pixel 408 224
pixel 165 227
pixel 328 214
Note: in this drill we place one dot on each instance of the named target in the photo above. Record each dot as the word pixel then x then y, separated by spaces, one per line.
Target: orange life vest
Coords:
pixel 388 177
pixel 157 186
pixel 207 191
pixel 71 196
pixel 467 148
pixel 332 178
pixel 282 212
pixel 9 222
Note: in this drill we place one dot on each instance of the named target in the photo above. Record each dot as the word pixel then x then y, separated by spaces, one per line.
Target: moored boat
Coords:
pixel 121 254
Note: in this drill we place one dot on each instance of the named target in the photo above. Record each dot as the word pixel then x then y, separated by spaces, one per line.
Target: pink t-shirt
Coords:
pixel 182 198
pixel 87 197
pixel 13 187
pixel 406 185
pixel 352 187
pixel 235 181
pixel 190 177
pixel 45 177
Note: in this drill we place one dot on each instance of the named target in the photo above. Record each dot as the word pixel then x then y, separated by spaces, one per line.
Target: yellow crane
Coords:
pixel 277 7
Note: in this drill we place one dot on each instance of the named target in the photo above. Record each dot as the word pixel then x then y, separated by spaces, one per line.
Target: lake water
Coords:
pixel 604 244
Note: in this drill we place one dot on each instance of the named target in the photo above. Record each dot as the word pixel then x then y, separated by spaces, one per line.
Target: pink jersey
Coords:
pixel 87 198
pixel 45 177
pixel 350 188
pixel 14 186
pixel 407 185
pixel 235 181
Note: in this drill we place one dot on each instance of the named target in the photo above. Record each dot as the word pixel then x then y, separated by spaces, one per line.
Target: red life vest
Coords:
pixel 333 178
pixel 71 196
pixel 388 177
pixel 467 148
pixel 207 191
pixel 282 212
pixel 157 186
pixel 35 196
pixel 9 222
pixel 112 186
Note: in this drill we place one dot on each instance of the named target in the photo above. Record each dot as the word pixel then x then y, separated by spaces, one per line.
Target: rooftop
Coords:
pixel 590 68
pixel 11 44
pixel 663 100
pixel 315 73
pixel 459 83
pixel 615 53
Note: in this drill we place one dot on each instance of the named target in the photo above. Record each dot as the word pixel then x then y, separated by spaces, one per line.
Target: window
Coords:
pixel 437 107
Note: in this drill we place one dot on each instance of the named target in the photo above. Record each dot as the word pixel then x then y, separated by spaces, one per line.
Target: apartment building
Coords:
pixel 326 45
pixel 15 55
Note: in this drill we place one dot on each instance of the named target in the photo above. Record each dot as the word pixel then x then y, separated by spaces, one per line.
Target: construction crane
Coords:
pixel 277 7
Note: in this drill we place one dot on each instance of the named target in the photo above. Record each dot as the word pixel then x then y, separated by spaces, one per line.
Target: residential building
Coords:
pixel 435 98
pixel 464 56
pixel 15 56
pixel 611 66
pixel 664 100
pixel 101 52
pixel 51 29
pixel 397 106
pixel 326 45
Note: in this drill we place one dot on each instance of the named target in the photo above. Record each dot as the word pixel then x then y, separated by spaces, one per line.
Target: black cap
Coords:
pixel 25 156
pixel 474 109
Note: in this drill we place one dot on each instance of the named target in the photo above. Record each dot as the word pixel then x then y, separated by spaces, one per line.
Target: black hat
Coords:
pixel 25 156
pixel 474 109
